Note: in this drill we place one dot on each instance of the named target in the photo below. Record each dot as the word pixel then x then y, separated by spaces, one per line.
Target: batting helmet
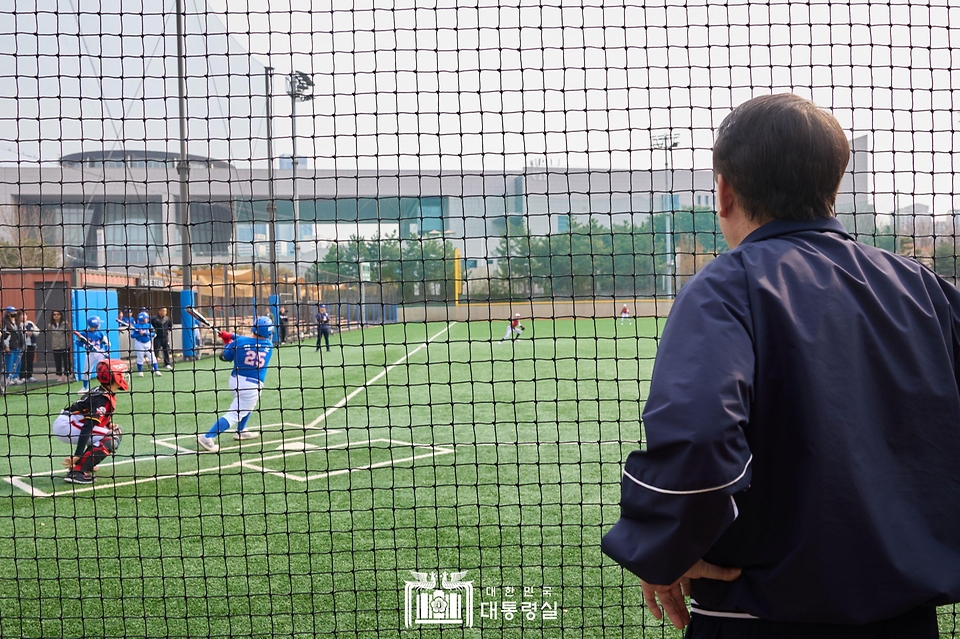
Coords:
pixel 93 322
pixel 263 326
pixel 10 310
pixel 516 314
pixel 112 370
pixel 143 318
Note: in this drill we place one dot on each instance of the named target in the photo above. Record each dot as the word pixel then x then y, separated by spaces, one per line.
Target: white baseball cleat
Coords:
pixel 209 444
pixel 158 373
pixel 140 374
pixel 245 434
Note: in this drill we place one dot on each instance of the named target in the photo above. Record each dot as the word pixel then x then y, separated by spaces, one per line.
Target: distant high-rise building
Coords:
pixel 854 200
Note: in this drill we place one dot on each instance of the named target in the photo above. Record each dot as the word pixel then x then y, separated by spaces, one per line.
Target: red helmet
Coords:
pixel 112 370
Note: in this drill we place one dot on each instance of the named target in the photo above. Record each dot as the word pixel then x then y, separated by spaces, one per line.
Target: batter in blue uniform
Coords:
pixel 250 357
pixel 97 350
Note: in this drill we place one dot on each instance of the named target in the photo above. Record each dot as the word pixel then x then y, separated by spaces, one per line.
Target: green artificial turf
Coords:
pixel 502 460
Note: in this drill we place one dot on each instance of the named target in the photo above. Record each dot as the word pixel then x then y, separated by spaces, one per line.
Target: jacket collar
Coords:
pixel 783 227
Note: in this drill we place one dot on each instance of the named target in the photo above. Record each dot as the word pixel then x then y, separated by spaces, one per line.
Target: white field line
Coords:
pixel 146 458
pixel 382 373
pixel 435 451
pixel 22 485
pixel 312 425
pixel 248 464
pixel 343 402
pixel 166 444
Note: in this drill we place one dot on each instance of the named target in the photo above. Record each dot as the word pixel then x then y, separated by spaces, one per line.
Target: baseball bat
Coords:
pixel 197 315
pixel 83 340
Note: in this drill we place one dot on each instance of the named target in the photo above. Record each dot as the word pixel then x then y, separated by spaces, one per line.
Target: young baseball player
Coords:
pixel 142 334
pixel 87 424
pixel 97 350
pixel 515 328
pixel 625 315
pixel 250 357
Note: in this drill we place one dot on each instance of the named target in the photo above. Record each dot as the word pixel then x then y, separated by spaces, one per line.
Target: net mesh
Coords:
pixel 393 187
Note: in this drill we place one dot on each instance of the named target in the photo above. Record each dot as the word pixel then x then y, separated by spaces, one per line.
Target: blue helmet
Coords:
pixel 143 318
pixel 93 322
pixel 10 310
pixel 263 326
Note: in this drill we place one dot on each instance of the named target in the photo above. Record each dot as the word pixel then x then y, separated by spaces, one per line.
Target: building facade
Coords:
pixel 120 210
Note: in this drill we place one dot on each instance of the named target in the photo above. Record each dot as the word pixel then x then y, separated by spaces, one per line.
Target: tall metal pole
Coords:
pixel 272 203
pixel 668 142
pixel 299 87
pixel 296 209
pixel 183 167
pixel 669 182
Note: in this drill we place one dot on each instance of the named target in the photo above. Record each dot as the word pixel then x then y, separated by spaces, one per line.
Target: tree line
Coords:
pixel 587 259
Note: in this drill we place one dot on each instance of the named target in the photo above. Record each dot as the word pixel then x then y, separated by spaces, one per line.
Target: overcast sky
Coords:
pixel 484 84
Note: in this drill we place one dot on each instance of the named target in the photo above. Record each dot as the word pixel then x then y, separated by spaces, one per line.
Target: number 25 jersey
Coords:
pixel 250 357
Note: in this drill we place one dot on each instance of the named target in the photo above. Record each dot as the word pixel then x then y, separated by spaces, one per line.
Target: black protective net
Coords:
pixel 466 224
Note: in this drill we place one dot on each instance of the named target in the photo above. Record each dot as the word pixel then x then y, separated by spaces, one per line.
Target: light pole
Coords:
pixel 183 166
pixel 272 200
pixel 300 89
pixel 668 142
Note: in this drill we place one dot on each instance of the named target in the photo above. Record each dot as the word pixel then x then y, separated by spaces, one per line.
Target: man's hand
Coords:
pixel 671 597
pixel 70 462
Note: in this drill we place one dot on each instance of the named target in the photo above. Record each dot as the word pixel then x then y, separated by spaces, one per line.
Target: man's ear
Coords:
pixel 726 198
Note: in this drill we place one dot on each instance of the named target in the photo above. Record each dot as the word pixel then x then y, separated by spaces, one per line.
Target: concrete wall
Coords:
pixel 548 309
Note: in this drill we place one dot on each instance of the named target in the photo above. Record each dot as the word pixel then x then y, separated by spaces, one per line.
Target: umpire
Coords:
pixel 161 342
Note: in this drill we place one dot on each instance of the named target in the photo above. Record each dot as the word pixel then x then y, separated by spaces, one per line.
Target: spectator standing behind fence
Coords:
pixel 60 336
pixel 283 325
pixel 323 327
pixel 12 338
pixel 30 334
pixel 161 342
pixel 800 477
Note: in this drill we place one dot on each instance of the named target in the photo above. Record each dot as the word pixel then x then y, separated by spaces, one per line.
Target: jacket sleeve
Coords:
pixel 677 494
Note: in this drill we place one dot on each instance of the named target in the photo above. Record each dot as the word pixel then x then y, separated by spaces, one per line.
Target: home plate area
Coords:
pixel 302 460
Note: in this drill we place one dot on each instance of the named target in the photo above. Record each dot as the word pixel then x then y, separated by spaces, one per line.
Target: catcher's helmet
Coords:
pixel 93 322
pixel 112 370
pixel 143 318
pixel 263 326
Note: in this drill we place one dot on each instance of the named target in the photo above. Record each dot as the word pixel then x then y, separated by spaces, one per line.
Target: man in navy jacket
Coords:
pixel 801 475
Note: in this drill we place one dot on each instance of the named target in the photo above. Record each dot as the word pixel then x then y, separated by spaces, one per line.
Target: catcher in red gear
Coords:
pixel 88 425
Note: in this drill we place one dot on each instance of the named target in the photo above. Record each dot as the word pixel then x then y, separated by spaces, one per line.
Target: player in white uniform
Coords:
pixel 515 328
pixel 142 334
pixel 87 424
pixel 625 315
pixel 250 357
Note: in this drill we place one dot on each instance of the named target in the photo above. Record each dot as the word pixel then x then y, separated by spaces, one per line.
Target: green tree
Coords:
pixel 427 269
pixel 945 260
pixel 513 278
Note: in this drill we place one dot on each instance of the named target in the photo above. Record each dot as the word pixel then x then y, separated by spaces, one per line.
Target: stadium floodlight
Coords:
pixel 667 142
pixel 300 89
